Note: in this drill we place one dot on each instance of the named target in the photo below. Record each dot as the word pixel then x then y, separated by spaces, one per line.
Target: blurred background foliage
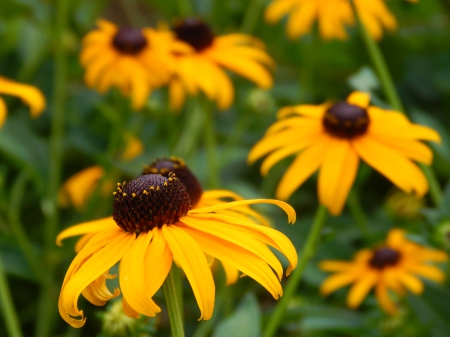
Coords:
pixel 309 70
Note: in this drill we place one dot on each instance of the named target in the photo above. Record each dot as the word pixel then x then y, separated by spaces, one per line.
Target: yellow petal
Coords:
pixel 129 311
pixel 429 272
pixel 334 282
pixel 29 94
pixel 131 274
pixel 384 299
pixel 157 262
pixel 332 265
pixel 411 282
pixel 98 293
pixel 361 288
pixel 3 112
pixel 305 110
pixel 94 226
pixel 359 98
pixel 277 9
pixel 195 266
pixel 239 258
pixel 177 95
pixel 231 273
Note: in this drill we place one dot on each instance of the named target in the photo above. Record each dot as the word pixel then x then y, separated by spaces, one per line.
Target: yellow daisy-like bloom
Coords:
pixel 332 16
pixel 154 226
pixel 203 68
pixel 332 138
pixel 133 60
pixel 29 94
pixel 394 266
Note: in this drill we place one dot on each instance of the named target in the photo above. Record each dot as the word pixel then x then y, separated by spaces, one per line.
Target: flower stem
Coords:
pixel 251 16
pixel 211 146
pixel 185 8
pixel 7 306
pixel 191 132
pixel 391 94
pixel 358 214
pixel 292 283
pixel 173 305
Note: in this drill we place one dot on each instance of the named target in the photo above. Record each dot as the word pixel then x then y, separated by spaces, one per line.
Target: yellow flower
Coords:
pixel 29 94
pixel 155 226
pixel 394 266
pixel 332 138
pixel 133 60
pixel 78 188
pixel 203 68
pixel 332 15
pixel 199 199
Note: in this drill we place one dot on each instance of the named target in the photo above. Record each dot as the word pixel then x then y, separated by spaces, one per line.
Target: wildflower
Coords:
pixel 154 226
pixel 133 60
pixel 393 266
pixel 29 94
pixel 333 137
pixel 332 16
pixel 78 188
pixel 203 69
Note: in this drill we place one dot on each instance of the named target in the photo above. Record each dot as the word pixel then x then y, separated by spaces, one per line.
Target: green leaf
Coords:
pixel 244 322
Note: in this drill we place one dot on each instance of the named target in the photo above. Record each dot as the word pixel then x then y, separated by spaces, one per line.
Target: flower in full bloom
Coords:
pixel 133 60
pixel 333 137
pixel 203 68
pixel 155 225
pixel 395 266
pixel 332 16
pixel 29 94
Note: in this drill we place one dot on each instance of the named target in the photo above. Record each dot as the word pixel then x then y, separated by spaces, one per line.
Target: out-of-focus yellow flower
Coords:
pixel 203 68
pixel 78 188
pixel 394 266
pixel 29 94
pixel 133 60
pixel 152 225
pixel 333 137
pixel 332 16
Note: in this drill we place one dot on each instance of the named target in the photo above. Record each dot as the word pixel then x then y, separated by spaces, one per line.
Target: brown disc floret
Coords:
pixel 384 257
pixel 194 32
pixel 129 40
pixel 150 201
pixel 344 120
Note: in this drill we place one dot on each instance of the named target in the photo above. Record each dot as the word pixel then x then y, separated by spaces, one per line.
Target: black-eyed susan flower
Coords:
pixel 203 68
pixel 395 266
pixel 133 60
pixel 78 188
pixel 333 16
pixel 153 225
pixel 29 94
pixel 333 137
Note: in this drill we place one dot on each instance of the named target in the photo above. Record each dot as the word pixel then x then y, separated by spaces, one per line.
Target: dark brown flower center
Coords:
pixel 129 40
pixel 345 120
pixel 164 166
pixel 384 257
pixel 194 32
pixel 150 201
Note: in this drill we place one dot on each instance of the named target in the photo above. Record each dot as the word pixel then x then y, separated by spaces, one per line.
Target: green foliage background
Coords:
pixel 309 70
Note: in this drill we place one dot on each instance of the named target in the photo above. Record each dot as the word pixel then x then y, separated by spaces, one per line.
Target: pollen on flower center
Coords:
pixel 150 201
pixel 165 166
pixel 384 257
pixel 129 40
pixel 345 120
pixel 194 32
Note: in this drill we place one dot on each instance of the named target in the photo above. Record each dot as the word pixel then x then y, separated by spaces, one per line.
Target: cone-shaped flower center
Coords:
pixel 194 32
pixel 345 120
pixel 164 166
pixel 150 201
pixel 129 40
pixel 384 257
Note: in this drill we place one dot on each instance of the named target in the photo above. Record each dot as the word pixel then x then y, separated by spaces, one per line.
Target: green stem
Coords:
pixel 185 8
pixel 7 306
pixel 211 146
pixel 173 305
pixel 191 132
pixel 358 214
pixel 308 251
pixel 251 16
pixel 394 100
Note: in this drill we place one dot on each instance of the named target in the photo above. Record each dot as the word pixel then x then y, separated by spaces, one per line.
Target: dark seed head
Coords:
pixel 129 40
pixel 150 201
pixel 384 257
pixel 345 120
pixel 194 32
pixel 164 166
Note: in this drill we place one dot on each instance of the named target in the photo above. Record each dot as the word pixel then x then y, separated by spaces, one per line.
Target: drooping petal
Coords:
pixel 94 226
pixel 361 288
pixel 385 301
pixel 129 311
pixel 239 258
pixel 231 273
pixel 131 276
pixel 177 95
pixel 157 262
pixel 98 293
pixel 195 266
